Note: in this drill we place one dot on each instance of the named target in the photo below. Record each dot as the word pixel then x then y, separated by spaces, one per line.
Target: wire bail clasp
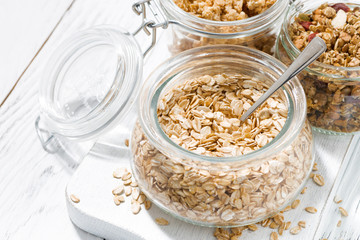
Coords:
pixel 48 141
pixel 150 25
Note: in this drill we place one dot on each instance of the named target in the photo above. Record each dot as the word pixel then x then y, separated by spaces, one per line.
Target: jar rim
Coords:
pixel 294 51
pixel 259 21
pixel 156 136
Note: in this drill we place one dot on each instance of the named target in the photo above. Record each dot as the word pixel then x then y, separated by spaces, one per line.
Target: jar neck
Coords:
pixel 218 58
pixel 225 29
pixel 317 68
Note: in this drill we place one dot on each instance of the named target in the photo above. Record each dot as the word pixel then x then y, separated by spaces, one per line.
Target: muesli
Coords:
pixel 333 90
pixel 225 10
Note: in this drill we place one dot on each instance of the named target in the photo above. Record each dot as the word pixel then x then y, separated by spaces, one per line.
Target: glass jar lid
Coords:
pixel 91 80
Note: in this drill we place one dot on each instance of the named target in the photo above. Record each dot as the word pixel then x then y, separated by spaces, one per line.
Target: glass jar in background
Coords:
pixel 333 93
pixel 221 191
pixel 189 31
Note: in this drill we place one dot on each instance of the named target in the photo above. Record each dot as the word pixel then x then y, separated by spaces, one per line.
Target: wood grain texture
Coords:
pixel 346 188
pixel 32 182
pixel 25 26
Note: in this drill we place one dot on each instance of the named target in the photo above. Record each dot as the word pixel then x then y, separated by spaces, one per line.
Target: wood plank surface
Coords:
pixel 96 213
pixel 25 27
pixel 32 182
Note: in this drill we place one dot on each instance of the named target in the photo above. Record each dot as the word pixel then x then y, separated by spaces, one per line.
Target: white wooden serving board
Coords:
pixel 97 213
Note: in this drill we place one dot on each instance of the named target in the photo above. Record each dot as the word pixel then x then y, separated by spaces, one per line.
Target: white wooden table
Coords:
pixel 32 182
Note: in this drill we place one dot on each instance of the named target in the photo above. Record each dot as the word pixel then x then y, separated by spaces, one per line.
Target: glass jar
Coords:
pixel 333 93
pixel 189 31
pixel 89 87
pixel 221 191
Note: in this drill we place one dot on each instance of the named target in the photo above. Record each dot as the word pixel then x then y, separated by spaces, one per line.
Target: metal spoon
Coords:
pixel 312 51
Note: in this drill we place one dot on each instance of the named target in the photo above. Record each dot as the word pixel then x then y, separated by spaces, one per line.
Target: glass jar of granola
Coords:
pixel 332 84
pixel 194 159
pixel 198 23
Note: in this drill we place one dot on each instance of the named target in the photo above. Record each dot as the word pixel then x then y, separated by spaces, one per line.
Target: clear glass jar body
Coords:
pixel 333 93
pixel 188 31
pixel 227 191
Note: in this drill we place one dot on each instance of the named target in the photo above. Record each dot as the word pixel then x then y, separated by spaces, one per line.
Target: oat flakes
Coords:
pixel 311 209
pixel 205 121
pixel 162 221
pixel 74 198
pixel 343 212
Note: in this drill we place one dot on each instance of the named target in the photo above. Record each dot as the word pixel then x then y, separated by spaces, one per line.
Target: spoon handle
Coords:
pixel 312 51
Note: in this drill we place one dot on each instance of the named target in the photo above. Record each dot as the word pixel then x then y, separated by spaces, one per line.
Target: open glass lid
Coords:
pixel 90 82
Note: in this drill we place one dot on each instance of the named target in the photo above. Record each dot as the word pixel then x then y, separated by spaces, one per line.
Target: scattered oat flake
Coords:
pixel 119 172
pixel 339 223
pixel 304 190
pixel 295 230
pixel 337 199
pixel 118 190
pixel 287 208
pixel 295 204
pixel 127 142
pixel 287 225
pixel 235 237
pixel 311 209
pixel 281 228
pixel 128 191
pixel 126 176
pixel 141 198
pixel 147 204
pixel 118 199
pixel 311 175
pixel 162 221
pixel 274 225
pixel 318 179
pixel 274 236
pixel 315 168
pixel 302 224
pixel 279 219
pixel 343 212
pixel 252 227
pixel 135 193
pixel 135 207
pixel 222 234
pixel 74 198
pixel 127 182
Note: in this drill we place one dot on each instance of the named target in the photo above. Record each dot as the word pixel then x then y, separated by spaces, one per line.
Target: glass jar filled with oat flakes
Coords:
pixel 207 22
pixel 194 159
pixel 332 84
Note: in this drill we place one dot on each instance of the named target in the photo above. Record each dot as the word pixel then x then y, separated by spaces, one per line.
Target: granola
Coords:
pixel 225 10
pixel 338 26
pixel 221 193
pixel 333 92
